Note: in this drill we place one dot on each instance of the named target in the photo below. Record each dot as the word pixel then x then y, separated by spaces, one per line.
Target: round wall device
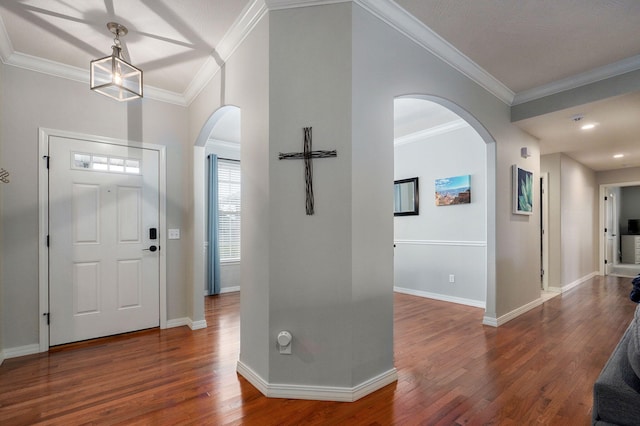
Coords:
pixel 284 338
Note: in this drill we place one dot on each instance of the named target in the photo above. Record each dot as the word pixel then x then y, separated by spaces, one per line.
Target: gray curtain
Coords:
pixel 213 253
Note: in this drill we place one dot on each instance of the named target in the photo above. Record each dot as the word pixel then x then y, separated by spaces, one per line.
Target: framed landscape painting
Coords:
pixel 522 191
pixel 453 190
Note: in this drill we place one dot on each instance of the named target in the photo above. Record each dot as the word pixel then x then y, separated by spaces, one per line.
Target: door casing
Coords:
pixel 43 227
pixel 544 196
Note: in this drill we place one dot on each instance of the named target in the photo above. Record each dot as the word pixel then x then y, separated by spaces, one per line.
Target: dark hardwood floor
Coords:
pixel 537 369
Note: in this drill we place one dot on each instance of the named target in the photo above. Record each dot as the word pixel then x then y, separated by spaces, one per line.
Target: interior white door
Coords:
pixel 103 271
pixel 610 233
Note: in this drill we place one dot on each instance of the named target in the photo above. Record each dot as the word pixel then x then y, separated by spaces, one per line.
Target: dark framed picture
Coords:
pixel 406 197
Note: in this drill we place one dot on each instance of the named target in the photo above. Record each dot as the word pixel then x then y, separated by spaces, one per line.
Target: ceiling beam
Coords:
pixel 613 86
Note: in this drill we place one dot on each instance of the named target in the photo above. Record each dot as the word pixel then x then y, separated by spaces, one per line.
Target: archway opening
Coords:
pixel 447 250
pixel 220 135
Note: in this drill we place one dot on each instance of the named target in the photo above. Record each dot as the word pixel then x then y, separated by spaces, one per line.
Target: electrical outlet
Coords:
pixel 452 278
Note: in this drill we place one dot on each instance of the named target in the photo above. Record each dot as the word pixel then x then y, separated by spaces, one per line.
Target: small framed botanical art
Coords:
pixel 522 191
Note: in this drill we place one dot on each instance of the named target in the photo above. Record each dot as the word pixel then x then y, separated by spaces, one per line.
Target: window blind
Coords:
pixel 229 210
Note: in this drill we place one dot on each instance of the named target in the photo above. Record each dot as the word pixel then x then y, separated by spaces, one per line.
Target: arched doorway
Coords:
pixel 223 122
pixel 426 116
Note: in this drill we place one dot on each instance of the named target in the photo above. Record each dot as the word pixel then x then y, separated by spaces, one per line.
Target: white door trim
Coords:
pixel 545 229
pixel 43 228
pixel 602 237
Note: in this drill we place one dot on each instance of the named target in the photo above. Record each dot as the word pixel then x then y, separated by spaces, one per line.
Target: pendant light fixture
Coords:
pixel 112 76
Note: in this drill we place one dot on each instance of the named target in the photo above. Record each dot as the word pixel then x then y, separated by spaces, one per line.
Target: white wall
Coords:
pixel 443 240
pixel 31 100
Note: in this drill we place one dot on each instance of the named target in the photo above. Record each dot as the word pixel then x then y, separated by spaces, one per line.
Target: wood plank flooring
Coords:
pixel 537 369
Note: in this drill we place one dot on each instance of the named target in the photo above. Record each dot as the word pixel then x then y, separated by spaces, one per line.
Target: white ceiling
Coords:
pixel 521 45
pixel 529 43
pixel 170 40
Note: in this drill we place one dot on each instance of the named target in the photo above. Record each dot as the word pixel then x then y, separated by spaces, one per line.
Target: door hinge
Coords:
pixel 47 241
pixel 606 261
pixel 46 157
pixel 46 314
pixel 605 230
pixel 605 198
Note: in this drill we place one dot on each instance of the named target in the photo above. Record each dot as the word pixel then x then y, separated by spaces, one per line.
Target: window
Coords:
pixel 101 163
pixel 229 210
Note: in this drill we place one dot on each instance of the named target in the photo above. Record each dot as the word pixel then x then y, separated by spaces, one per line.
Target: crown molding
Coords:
pixel 431 132
pixel 48 67
pixel 407 24
pixel 81 75
pixel 290 4
pixel 241 28
pixel 204 75
pixel 588 77
pixel 163 95
pixel 6 48
pixel 386 10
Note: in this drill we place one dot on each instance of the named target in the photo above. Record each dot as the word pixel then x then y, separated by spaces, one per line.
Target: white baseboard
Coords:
pixel 442 297
pixel 497 322
pixel 20 351
pixel 193 325
pixel 178 322
pixel 197 325
pixel 318 393
pixel 522 309
pixel 490 321
pixel 1 357
pixel 573 284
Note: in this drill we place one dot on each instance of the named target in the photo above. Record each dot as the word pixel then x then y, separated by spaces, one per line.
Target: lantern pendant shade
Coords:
pixel 112 76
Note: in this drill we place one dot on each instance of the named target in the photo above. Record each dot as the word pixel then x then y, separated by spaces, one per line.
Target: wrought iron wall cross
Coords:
pixel 307 155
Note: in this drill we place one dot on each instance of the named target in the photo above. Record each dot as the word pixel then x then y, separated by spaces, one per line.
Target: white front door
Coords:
pixel 103 269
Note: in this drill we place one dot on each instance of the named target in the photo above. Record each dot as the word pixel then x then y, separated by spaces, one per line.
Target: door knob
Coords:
pixel 151 249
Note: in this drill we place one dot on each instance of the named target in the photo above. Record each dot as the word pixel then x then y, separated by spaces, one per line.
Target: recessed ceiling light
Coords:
pixel 588 126
pixel 618 156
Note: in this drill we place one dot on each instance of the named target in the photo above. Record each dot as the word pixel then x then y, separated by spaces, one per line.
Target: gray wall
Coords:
pixel 6 165
pixel 443 240
pixel 573 217
pixel 244 84
pixel 31 100
pixel 344 88
pixel 310 278
pixel 631 174
pixel 579 221
pixel 552 164
pixel 386 65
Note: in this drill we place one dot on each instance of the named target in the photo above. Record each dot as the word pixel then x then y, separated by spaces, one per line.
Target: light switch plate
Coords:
pixel 174 234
